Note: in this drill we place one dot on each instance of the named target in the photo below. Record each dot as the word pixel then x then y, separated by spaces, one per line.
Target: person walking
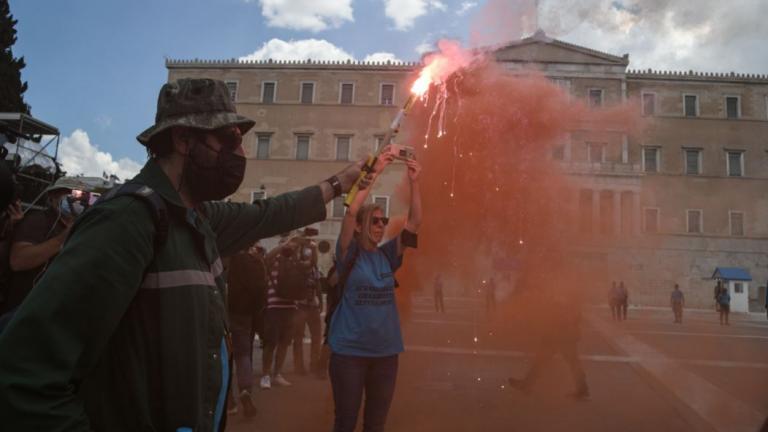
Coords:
pixel 438 293
pixel 677 301
pixel 623 301
pixel 724 302
pixel 614 301
pixel 308 316
pixel 364 335
pixel 559 333
pixel 127 329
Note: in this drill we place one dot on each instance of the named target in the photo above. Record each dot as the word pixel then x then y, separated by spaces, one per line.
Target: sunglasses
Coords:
pixel 229 137
pixel 375 220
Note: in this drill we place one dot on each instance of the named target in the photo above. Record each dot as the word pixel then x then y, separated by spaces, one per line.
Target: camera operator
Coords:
pixel 37 239
pixel 308 312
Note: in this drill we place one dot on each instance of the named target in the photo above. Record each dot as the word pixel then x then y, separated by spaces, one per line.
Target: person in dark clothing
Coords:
pixel 246 283
pixel 677 301
pixel 308 315
pixel 127 330
pixel 724 301
pixel 559 333
pixel 614 301
pixel 438 287
pixel 623 301
pixel 36 240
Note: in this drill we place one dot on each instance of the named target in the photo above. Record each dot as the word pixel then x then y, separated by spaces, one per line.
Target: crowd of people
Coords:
pixel 131 315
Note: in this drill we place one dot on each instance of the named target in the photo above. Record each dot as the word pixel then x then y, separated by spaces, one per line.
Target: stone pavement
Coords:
pixel 645 374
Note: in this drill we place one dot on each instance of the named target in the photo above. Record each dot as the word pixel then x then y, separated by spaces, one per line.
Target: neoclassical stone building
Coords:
pixel 686 197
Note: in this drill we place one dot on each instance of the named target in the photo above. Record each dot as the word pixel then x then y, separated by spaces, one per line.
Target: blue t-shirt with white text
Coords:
pixel 366 322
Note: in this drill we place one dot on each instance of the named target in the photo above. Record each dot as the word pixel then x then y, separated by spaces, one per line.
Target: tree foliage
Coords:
pixel 11 86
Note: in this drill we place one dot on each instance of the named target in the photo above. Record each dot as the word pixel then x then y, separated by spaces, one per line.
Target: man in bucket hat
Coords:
pixel 128 333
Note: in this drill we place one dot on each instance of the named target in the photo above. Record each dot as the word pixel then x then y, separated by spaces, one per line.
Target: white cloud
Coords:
pixel 79 156
pixel 424 47
pixel 382 57
pixel 315 49
pixel 466 6
pixel 311 15
pixel 405 12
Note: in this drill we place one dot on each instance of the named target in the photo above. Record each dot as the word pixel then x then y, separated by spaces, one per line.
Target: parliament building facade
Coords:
pixel 685 198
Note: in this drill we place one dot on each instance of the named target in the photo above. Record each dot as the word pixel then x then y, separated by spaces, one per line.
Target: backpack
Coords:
pixel 150 198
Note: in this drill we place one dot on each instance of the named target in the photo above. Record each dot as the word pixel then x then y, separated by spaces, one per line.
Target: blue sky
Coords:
pixel 94 66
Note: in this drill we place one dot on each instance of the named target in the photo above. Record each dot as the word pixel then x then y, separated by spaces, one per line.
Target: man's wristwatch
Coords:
pixel 336 185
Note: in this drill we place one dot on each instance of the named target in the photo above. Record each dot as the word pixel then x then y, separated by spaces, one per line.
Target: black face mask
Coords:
pixel 210 182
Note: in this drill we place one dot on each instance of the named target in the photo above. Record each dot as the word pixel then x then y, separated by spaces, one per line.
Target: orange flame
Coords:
pixel 440 65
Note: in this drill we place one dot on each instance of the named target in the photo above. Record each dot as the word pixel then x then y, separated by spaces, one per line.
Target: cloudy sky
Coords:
pixel 94 67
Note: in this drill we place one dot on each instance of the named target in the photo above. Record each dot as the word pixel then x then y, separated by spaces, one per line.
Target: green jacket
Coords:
pixel 116 337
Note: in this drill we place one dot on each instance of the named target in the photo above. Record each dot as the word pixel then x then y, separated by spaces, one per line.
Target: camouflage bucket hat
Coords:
pixel 197 103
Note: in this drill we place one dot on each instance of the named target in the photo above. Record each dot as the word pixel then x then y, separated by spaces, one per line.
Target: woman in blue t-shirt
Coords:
pixel 364 335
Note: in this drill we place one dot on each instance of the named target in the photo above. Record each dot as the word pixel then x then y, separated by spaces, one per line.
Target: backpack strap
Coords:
pixel 149 197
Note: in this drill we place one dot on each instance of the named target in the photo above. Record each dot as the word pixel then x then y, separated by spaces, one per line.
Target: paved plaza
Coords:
pixel 645 374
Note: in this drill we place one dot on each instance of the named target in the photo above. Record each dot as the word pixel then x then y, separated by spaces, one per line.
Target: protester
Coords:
pixel 559 333
pixel 364 336
pixel 308 315
pixel 438 293
pixel 677 301
pixel 36 240
pixel 724 303
pixel 126 331
pixel 282 261
pixel 614 301
pixel 246 284
pixel 623 301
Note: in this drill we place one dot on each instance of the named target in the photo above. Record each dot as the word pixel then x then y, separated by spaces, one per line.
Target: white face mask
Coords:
pixel 70 209
pixel 307 252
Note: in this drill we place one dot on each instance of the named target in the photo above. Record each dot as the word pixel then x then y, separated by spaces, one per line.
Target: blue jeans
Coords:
pixel 351 376
pixel 242 349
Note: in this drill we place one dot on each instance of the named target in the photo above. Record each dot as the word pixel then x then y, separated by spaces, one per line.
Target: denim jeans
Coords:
pixel 302 318
pixel 353 376
pixel 242 349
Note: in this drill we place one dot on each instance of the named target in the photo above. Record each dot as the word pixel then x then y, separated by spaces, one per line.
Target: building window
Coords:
pixel 595 98
pixel 692 161
pixel 232 87
pixel 650 220
pixel 737 223
pixel 383 202
pixel 649 104
pixel 738 288
pixel 585 210
pixel 268 92
pixel 695 222
pixel 387 94
pixel 596 152
pixel 337 207
pixel 262 146
pixel 346 93
pixel 307 92
pixel 735 162
pixel 258 195
pixel 651 159
pixel 732 107
pixel 342 147
pixel 302 147
pixel 691 103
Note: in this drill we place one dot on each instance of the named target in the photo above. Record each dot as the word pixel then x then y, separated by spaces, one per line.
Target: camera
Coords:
pixel 402 152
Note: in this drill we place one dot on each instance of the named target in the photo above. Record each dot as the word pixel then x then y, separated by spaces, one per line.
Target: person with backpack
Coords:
pixel 127 330
pixel 364 335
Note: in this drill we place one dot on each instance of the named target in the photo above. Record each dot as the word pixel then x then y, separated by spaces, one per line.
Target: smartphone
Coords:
pixel 402 152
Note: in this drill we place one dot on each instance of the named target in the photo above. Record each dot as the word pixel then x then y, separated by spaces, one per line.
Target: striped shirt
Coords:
pixel 273 300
